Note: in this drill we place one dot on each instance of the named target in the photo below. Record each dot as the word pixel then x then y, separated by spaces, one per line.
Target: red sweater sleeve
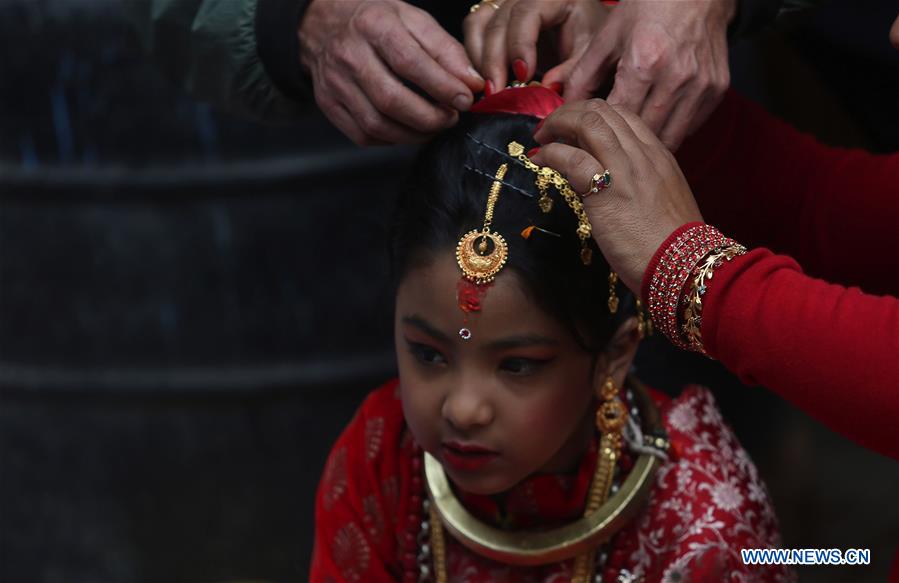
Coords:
pixel 762 182
pixel 830 350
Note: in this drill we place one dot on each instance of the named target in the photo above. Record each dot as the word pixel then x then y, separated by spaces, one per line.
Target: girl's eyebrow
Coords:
pixel 522 341
pixel 417 321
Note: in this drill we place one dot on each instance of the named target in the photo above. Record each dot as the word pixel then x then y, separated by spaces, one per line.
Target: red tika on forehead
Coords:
pixel 470 295
pixel 533 100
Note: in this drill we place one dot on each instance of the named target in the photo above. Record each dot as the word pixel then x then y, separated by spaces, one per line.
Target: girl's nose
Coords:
pixel 468 406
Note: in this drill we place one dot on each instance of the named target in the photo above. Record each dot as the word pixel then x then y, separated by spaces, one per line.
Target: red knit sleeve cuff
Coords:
pixel 660 252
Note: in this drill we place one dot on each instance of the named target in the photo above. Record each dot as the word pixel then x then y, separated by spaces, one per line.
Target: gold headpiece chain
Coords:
pixel 547 176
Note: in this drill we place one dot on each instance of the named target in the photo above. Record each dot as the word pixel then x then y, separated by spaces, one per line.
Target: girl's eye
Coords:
pixel 425 354
pixel 522 366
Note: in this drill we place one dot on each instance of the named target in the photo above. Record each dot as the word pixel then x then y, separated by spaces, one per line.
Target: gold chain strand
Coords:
pixel 491 204
pixel 582 571
pixel 438 545
pixel 644 324
pixel 546 176
pixel 613 297
pixel 609 452
pixel 494 195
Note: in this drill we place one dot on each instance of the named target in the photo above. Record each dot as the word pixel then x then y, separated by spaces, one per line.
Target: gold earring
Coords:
pixel 611 415
pixel 610 419
pixel 613 297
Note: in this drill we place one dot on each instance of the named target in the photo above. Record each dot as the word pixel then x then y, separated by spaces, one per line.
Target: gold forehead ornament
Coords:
pixel 482 253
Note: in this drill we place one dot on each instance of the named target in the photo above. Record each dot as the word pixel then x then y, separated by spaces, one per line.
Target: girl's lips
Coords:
pixel 467 447
pixel 467 457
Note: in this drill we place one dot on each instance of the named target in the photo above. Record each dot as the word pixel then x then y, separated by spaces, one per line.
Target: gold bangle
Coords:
pixel 703 272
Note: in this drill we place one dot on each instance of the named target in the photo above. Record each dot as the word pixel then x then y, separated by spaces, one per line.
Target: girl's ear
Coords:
pixel 616 361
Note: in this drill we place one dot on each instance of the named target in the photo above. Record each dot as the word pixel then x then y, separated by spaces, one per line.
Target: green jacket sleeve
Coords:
pixel 212 49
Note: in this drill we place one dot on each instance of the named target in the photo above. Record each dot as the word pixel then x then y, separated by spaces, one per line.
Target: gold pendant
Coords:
pixel 481 255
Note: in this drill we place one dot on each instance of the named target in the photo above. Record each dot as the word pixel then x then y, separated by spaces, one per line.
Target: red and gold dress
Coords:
pixel 706 504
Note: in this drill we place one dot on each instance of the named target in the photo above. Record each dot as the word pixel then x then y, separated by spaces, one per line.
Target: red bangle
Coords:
pixel 657 256
pixel 677 258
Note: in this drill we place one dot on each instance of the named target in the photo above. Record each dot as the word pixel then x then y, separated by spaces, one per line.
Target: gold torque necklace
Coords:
pixel 603 516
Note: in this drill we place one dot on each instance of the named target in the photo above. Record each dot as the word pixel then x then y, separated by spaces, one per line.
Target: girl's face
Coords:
pixel 515 399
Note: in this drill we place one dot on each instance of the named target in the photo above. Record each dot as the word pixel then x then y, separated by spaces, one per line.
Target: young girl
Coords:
pixel 514 446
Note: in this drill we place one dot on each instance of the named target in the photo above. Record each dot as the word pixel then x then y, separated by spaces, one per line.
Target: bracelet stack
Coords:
pixel 678 282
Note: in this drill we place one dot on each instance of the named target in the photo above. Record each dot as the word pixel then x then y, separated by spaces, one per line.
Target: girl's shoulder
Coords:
pixel 363 492
pixel 378 426
pixel 370 457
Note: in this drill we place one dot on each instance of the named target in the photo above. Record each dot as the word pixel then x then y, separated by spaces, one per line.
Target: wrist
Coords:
pixel 306 41
pixel 321 21
pixel 659 254
pixel 674 282
pixel 275 30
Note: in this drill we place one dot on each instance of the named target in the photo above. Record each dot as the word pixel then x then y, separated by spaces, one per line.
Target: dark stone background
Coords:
pixel 192 306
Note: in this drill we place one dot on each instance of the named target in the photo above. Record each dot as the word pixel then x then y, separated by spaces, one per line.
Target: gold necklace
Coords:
pixel 579 539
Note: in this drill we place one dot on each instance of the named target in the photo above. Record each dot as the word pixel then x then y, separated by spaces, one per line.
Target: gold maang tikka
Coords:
pixel 481 254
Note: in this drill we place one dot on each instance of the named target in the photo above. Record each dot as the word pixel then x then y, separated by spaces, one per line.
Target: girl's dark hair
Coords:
pixel 445 196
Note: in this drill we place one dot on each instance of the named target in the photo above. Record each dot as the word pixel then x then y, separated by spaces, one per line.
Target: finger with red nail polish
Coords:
pixel 521 70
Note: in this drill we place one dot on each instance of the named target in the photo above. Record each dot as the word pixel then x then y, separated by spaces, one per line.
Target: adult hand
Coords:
pixel 501 32
pixel 671 57
pixel 361 54
pixel 648 198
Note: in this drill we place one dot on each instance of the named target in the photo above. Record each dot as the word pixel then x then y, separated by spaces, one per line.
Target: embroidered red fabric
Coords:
pixel 708 503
